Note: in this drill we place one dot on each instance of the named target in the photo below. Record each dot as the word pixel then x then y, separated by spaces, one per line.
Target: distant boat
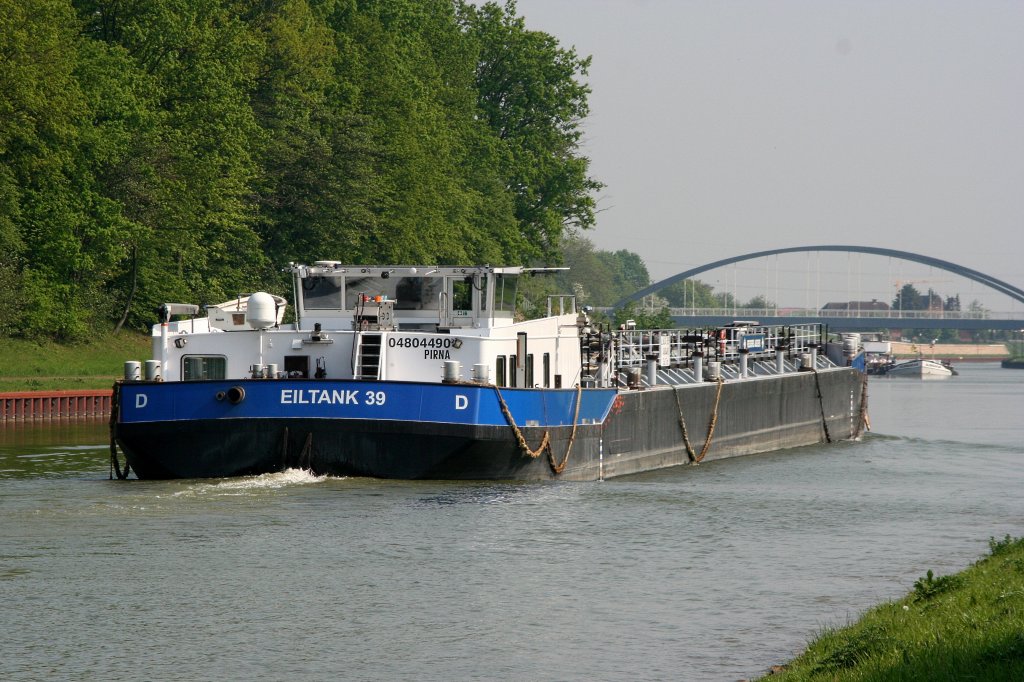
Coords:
pixel 877 356
pixel 921 368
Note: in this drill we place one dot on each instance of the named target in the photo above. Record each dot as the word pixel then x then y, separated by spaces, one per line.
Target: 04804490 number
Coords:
pixel 420 342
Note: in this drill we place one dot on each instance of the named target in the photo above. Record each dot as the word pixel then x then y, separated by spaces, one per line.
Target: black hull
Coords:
pixel 641 433
pixel 403 450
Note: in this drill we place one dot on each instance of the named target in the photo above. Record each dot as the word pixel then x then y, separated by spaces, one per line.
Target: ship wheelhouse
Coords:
pixel 419 298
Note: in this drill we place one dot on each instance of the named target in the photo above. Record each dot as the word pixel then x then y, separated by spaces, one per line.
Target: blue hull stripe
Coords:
pixel 376 401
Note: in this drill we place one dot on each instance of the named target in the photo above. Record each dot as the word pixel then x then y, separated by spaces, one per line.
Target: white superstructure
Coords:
pixel 394 323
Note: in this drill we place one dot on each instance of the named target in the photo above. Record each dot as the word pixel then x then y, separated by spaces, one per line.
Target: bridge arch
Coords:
pixel 980 277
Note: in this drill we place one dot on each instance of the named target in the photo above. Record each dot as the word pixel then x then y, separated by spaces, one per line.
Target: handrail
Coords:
pixel 755 313
pixel 442 307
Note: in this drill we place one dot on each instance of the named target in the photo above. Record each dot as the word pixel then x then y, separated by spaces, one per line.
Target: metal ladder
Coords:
pixel 368 352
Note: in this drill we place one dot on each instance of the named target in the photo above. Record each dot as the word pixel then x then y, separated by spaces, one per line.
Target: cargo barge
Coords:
pixel 427 372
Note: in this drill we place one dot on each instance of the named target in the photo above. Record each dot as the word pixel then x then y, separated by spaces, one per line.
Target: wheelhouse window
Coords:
pixel 462 294
pixel 483 292
pixel 200 367
pixel 418 293
pixel 321 293
pixel 505 293
pixel 408 293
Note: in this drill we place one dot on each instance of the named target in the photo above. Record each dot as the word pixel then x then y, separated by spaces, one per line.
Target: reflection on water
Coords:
pixel 713 572
pixel 17 434
pixel 53 448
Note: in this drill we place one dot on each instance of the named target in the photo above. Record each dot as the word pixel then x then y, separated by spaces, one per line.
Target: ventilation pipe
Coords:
pixel 698 365
pixel 652 369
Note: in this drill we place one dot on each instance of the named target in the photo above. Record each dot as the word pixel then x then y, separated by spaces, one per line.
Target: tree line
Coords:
pixel 187 150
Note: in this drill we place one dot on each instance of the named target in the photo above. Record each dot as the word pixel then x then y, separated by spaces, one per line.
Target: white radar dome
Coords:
pixel 261 311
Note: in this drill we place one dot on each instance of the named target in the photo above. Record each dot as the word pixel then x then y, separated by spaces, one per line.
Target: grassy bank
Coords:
pixel 968 626
pixel 45 366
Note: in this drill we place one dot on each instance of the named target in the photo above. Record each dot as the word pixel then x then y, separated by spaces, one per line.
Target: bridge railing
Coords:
pixel 756 313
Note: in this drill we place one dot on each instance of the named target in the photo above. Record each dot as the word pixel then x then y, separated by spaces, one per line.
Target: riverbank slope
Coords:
pixel 969 625
pixel 47 366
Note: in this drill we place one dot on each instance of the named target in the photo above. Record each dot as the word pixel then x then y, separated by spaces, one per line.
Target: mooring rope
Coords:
pixel 115 466
pixel 545 443
pixel 821 405
pixel 572 436
pixel 712 422
pixel 682 427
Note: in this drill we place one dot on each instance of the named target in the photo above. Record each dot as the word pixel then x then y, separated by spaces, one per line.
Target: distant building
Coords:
pixel 873 305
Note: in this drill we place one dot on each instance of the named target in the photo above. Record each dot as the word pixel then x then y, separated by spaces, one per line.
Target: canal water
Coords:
pixel 713 572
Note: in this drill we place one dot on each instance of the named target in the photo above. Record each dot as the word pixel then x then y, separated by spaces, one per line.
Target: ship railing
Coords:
pixel 675 348
pixel 561 304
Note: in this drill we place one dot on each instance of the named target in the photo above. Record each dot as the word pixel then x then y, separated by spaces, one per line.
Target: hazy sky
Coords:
pixel 723 128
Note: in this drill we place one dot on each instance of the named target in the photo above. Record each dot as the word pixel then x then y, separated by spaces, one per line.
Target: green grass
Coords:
pixel 968 626
pixel 43 366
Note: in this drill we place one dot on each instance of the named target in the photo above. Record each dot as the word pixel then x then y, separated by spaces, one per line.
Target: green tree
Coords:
pixel 603 276
pixel 186 183
pixel 51 231
pixel 531 95
pixel 758 302
pixel 411 171
pixel 908 298
pixel 690 293
pixel 659 318
pixel 597 278
pixel 164 150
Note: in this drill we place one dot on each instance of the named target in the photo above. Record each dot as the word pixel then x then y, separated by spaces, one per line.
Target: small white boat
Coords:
pixel 921 368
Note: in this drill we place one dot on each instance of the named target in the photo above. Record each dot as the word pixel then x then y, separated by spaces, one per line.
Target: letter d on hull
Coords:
pixel 461 401
pixel 140 401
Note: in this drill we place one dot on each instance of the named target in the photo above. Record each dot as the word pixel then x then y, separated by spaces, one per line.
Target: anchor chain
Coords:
pixel 545 443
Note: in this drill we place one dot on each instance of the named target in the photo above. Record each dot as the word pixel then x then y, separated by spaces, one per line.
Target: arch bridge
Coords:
pixel 861 320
